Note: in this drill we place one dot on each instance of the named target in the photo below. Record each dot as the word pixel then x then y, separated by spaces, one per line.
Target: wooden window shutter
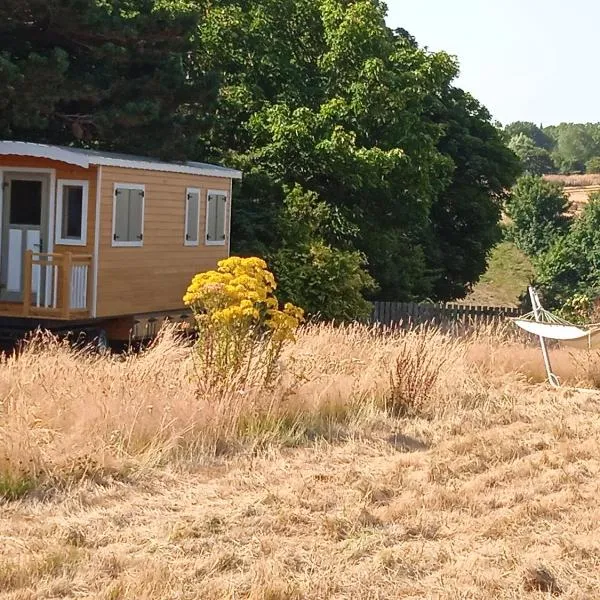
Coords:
pixel 192 216
pixel 220 218
pixel 216 213
pixel 121 215
pixel 211 218
pixel 136 215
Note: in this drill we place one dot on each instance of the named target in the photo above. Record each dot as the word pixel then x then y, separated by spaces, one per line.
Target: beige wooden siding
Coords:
pixel 63 171
pixel 155 276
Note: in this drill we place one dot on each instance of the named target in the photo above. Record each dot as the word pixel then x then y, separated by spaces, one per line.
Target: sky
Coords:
pixel 525 60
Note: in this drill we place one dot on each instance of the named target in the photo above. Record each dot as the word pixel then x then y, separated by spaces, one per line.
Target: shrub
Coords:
pixel 572 265
pixel 418 367
pixel 577 309
pixel 537 210
pixel 239 322
pixel 327 280
pixel 593 165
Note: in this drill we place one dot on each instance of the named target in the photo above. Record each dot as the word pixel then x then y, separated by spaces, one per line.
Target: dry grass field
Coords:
pixel 578 188
pixel 583 180
pixel 381 466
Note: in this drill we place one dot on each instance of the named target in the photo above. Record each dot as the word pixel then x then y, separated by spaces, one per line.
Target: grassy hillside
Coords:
pixel 380 467
pixel 508 275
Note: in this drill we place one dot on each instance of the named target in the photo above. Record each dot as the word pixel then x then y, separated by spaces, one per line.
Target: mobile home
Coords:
pixel 98 240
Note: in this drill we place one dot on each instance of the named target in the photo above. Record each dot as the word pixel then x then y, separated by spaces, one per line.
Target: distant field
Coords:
pixel 508 275
pixel 575 180
pixel 397 465
pixel 577 187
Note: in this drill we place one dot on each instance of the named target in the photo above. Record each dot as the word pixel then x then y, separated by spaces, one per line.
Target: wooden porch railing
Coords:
pixel 57 285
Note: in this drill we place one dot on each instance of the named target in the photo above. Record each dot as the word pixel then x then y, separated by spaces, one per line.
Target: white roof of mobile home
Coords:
pixel 85 158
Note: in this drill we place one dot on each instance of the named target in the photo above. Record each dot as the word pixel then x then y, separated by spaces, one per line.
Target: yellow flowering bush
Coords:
pixel 238 316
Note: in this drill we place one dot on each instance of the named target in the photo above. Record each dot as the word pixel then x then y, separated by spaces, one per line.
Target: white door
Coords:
pixel 23 226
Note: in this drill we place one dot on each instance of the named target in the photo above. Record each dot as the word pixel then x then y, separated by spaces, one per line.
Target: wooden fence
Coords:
pixel 412 313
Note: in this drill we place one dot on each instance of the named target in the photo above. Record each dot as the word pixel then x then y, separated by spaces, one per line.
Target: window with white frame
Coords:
pixel 216 218
pixel 71 212
pixel 128 215
pixel 192 217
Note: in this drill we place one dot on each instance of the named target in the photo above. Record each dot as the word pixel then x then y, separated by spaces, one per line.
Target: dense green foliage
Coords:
pixel 465 215
pixel 564 249
pixel 572 265
pixel 372 125
pixel 575 145
pixel 326 281
pixel 530 130
pixel 537 211
pixel 565 148
pixel 362 162
pixel 535 160
pixel 110 74
pixel 593 165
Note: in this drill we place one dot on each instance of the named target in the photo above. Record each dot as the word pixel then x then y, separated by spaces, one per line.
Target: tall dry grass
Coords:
pixel 68 414
pixel 424 465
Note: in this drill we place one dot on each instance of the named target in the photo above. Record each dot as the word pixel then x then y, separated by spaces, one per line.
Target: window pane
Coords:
pixel 25 202
pixel 72 212
pixel 193 209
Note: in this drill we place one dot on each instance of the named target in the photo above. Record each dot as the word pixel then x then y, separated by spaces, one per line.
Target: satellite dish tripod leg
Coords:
pixel 537 308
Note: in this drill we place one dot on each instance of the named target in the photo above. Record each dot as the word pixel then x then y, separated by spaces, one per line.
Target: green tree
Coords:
pixel 572 264
pixel 537 210
pixel 359 137
pixel 592 166
pixel 117 75
pixel 465 215
pixel 535 160
pixel 319 94
pixel 574 147
pixel 326 281
pixel 370 123
pixel 540 138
